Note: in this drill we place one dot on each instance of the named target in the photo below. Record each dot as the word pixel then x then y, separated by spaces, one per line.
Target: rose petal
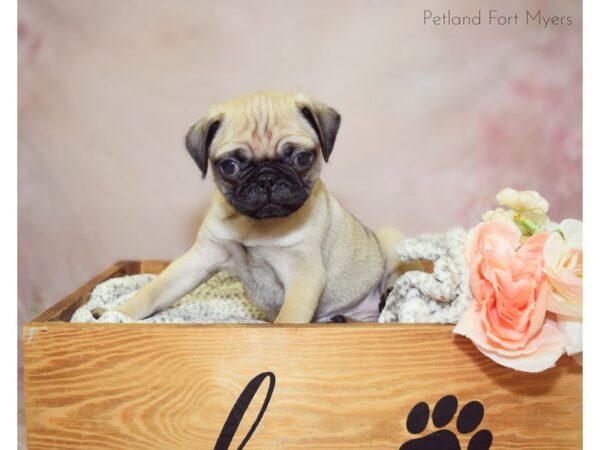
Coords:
pixel 469 323
pixel 563 265
pixel 540 353
pixel 471 326
pixel 572 231
pixel 558 305
pixel 549 346
pixel 541 306
pixel 572 329
pixel 553 249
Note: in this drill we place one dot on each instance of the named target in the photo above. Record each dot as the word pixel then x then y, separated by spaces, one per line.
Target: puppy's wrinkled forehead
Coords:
pixel 261 124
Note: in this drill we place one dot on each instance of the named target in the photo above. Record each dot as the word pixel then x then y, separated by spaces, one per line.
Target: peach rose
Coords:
pixel 507 321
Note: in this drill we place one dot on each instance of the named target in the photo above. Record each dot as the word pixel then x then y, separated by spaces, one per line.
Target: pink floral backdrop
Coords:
pixel 435 119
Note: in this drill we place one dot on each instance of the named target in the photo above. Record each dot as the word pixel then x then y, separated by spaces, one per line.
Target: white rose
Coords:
pixel 498 214
pixel 522 200
pixel 563 263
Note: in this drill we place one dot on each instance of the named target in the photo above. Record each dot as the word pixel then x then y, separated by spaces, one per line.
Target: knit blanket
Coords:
pixel 417 297
pixel 220 299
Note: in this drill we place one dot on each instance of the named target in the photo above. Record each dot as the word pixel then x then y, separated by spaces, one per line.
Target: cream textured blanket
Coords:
pixel 221 299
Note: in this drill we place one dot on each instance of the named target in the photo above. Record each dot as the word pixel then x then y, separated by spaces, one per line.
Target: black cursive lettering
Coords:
pixel 239 409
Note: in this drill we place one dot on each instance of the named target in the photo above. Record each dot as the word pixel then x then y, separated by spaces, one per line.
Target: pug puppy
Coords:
pixel 299 254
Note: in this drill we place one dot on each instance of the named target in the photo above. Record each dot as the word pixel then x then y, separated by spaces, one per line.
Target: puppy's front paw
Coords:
pixel 97 312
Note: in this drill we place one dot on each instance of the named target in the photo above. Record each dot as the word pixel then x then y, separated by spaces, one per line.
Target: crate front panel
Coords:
pixel 333 387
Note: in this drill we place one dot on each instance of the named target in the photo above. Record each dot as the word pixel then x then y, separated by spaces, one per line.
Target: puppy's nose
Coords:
pixel 267 180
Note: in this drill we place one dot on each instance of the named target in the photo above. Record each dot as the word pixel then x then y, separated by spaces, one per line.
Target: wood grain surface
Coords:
pixel 338 386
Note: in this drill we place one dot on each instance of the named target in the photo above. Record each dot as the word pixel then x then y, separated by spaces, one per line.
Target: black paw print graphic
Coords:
pixel 469 418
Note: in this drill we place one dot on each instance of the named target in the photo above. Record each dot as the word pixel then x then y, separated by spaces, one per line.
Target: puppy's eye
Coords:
pixel 303 160
pixel 288 150
pixel 229 168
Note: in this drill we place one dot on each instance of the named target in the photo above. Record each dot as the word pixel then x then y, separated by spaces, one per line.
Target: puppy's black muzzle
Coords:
pixel 270 189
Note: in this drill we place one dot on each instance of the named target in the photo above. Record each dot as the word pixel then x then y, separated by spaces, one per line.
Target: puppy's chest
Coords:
pixel 260 274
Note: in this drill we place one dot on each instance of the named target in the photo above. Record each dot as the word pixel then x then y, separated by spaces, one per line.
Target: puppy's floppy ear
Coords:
pixel 325 121
pixel 198 141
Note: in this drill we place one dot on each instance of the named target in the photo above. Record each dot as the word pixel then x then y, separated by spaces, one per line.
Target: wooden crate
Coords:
pixel 317 386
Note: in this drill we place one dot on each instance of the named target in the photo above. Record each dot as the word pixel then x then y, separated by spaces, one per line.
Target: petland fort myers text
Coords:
pixel 494 17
